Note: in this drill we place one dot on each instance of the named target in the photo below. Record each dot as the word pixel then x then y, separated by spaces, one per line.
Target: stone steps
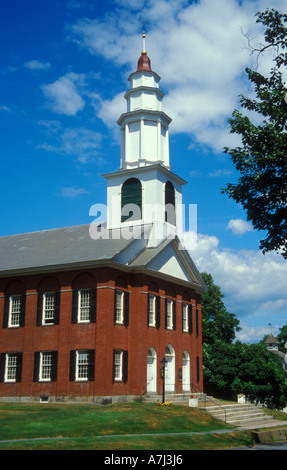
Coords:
pixel 238 414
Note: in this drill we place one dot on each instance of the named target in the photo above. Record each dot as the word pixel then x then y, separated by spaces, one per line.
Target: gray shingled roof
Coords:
pixel 56 247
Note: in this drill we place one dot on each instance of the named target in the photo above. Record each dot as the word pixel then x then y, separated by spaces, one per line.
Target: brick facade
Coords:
pixel 100 336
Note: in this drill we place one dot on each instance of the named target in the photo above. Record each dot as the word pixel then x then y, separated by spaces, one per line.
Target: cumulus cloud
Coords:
pixel 254 284
pixel 64 95
pixel 80 143
pixel 37 65
pixel 239 226
pixel 73 192
pixel 197 48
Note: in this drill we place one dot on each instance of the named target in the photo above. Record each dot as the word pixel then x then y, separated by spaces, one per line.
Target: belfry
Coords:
pixel 144 179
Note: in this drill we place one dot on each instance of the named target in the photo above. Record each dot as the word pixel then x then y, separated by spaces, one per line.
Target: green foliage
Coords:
pixel 261 160
pixel 251 369
pixel 218 323
pixel 229 367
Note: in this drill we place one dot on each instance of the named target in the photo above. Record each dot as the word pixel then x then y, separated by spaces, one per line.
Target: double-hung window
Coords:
pixel 10 367
pixel 151 310
pixel 45 366
pixel 120 366
pixel 169 314
pixel 15 310
pixel 46 360
pixel 48 307
pixel 84 305
pixel 82 365
pixel 121 307
pixel 185 317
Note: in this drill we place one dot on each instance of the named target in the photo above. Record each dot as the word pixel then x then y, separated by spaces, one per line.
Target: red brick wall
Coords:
pixel 103 336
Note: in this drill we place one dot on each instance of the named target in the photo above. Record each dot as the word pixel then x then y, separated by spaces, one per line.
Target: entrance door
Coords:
pixel 185 372
pixel 169 369
pixel 151 371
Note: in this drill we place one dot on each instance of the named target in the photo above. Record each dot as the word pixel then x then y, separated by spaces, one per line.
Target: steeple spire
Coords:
pixel 144 60
pixel 144 50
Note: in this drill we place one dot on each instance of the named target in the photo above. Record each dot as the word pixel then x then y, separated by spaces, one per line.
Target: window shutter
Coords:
pixel 36 366
pixel 93 306
pixel 2 366
pixel 22 311
pixel 39 309
pixel 131 194
pixel 72 374
pixel 157 306
pixel 125 366
pixel 19 367
pixel 196 325
pixel 54 366
pixel 115 306
pixel 91 365
pixel 126 308
pixel 6 311
pixel 190 318
pixel 165 313
pixel 174 315
pixel 169 203
pixel 57 308
pixel 75 306
pixel 114 363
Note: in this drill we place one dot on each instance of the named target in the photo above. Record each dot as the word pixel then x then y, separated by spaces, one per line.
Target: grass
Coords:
pixel 88 427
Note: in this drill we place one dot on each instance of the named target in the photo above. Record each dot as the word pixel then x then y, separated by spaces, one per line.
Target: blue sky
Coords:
pixel 64 66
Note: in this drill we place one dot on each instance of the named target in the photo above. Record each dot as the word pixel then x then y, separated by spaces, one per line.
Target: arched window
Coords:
pixel 131 194
pixel 169 203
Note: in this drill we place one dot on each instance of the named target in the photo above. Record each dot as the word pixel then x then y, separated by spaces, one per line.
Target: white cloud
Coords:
pixel 239 226
pixel 37 65
pixel 64 96
pixel 73 192
pixel 254 284
pixel 83 144
pixel 197 48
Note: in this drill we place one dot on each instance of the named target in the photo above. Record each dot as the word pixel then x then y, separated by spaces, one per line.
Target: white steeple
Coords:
pixel 144 127
pixel 144 179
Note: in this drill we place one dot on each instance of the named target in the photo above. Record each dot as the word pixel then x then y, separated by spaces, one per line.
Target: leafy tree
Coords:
pixel 261 160
pixel 217 322
pixel 230 369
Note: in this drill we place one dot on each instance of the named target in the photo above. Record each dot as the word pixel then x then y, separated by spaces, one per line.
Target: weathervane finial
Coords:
pixel 143 51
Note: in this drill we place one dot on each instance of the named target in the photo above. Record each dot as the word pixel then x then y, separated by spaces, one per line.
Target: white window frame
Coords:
pixel 46 363
pixel 14 310
pixel 185 317
pixel 48 312
pixel 11 367
pixel 82 365
pixel 83 307
pixel 152 310
pixel 169 314
pixel 118 371
pixel 119 307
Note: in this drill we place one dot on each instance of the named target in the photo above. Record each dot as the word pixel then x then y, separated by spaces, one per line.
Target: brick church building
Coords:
pixel 87 313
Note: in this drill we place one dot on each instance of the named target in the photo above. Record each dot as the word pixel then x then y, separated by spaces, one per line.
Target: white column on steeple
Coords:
pixel 145 143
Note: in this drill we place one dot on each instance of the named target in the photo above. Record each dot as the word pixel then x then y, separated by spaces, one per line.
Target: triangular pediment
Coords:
pixel 169 259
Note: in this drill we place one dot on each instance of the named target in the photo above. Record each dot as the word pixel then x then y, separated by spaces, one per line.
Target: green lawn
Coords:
pixel 82 427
